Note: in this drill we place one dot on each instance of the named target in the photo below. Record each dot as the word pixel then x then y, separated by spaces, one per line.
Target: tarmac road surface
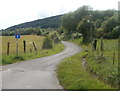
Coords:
pixel 36 73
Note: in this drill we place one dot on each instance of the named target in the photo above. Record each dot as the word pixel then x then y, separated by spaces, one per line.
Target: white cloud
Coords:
pixel 13 12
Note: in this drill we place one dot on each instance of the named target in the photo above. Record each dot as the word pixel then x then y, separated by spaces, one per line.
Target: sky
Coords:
pixel 13 12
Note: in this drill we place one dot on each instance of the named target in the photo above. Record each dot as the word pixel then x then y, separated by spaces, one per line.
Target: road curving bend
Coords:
pixel 36 73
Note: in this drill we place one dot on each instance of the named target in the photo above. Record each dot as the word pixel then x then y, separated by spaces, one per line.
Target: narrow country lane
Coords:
pixel 36 73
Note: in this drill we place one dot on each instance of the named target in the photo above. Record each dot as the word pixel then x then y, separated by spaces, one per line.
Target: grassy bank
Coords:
pixel 104 67
pixel 72 74
pixel 21 57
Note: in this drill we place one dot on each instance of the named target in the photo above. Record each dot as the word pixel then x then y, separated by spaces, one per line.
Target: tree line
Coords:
pixel 27 31
pixel 91 23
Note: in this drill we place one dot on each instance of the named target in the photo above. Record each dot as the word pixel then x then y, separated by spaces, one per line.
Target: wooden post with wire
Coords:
pixel 8 48
pixel 101 47
pixel 34 46
pixel 24 45
pixel 113 58
pixel 119 62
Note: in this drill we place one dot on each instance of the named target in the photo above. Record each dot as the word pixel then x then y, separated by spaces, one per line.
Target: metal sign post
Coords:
pixel 16 47
pixel 17 36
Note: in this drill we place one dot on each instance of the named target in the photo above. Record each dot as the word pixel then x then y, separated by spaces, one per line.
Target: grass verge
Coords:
pixel 72 75
pixel 26 56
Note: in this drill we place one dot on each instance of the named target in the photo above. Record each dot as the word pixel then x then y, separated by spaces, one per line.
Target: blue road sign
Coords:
pixel 17 36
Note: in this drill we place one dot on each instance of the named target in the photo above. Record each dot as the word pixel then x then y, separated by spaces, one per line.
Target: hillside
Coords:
pixel 50 22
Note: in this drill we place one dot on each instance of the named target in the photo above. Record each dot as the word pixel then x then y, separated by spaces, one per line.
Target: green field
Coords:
pixel 103 75
pixel 105 69
pixel 12 58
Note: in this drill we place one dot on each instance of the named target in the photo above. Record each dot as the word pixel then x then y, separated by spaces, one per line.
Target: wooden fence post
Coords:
pixel 119 50
pixel 24 44
pixel 30 49
pixel 119 60
pixel 113 57
pixel 101 47
pixel 34 46
pixel 8 48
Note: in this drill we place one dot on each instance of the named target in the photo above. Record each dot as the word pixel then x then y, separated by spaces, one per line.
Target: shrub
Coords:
pixel 115 33
pixel 39 33
pixel 47 43
pixel 76 35
pixel 55 38
pixel 18 58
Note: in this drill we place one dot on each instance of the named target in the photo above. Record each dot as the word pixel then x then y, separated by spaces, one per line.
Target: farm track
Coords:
pixel 36 73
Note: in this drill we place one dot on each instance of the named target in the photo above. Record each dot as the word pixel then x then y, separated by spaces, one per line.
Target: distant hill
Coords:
pixel 50 22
